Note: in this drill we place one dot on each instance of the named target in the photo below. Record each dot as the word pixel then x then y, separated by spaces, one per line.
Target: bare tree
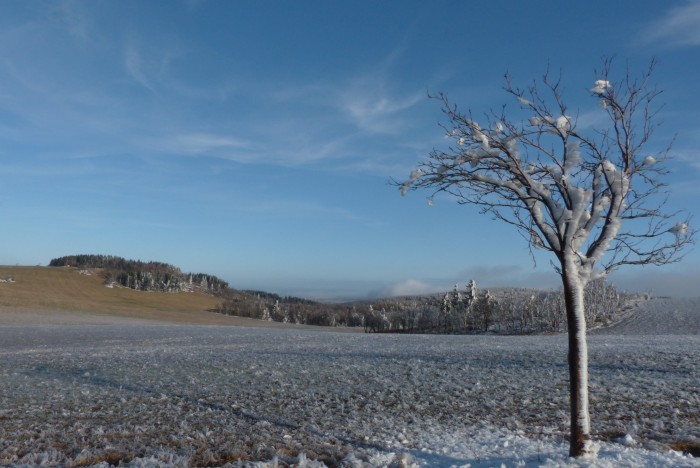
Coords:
pixel 591 196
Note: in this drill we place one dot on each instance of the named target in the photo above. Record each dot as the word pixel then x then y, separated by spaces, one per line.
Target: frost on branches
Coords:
pixel 594 198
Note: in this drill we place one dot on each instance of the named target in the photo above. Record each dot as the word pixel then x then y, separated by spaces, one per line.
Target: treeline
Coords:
pixel 506 311
pixel 509 311
pixel 272 307
pixel 272 298
pixel 144 276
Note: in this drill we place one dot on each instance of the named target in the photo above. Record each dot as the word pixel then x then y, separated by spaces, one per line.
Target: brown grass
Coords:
pixel 112 458
pixel 60 295
pixel 66 290
pixel 688 447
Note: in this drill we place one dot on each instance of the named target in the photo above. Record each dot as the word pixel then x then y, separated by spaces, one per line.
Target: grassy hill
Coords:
pixel 65 289
pixel 61 295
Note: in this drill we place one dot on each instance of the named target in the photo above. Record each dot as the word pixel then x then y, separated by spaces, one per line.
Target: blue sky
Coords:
pixel 254 140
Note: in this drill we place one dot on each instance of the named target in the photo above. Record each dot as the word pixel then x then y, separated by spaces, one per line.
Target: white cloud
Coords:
pixel 680 26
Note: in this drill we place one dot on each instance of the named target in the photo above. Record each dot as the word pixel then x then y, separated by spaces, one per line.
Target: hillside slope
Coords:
pixel 660 316
pixel 66 290
pixel 63 296
pixel 143 276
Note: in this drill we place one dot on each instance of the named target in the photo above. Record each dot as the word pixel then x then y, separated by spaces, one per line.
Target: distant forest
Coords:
pixel 272 307
pixel 506 311
pixel 144 276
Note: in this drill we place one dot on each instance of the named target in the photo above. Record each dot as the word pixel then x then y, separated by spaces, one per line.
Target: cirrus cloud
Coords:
pixel 680 26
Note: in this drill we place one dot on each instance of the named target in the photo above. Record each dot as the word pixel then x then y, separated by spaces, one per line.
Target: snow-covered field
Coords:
pixel 165 395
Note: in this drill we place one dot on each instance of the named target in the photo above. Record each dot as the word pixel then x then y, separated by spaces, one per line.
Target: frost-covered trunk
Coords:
pixel 578 359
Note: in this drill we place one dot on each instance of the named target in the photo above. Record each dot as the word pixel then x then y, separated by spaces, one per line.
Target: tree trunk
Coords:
pixel 578 361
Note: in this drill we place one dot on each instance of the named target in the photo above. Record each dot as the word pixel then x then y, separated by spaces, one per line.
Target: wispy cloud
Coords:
pixel 218 145
pixel 376 112
pixel 592 119
pixel 292 145
pixel 680 26
pixel 691 158
pixel 371 98
pixel 207 143
pixel 133 62
pixel 360 123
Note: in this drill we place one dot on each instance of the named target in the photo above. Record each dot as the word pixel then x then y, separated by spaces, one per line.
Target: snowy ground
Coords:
pixel 164 395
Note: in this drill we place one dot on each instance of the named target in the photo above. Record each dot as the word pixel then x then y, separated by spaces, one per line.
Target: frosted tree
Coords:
pixel 445 310
pixel 470 300
pixel 456 295
pixel 471 291
pixel 458 307
pixel 592 197
pixel 484 308
pixel 276 310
